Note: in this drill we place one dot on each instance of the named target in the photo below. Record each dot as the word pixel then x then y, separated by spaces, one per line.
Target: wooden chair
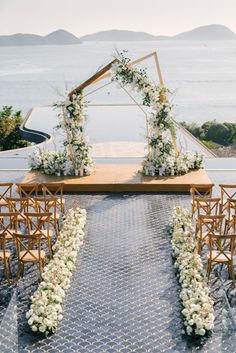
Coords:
pixel 221 251
pixel 5 192
pixel 196 192
pixel 55 190
pixel 5 257
pixel 9 226
pixel 49 205
pixel 39 223
pixel 208 225
pixel 206 206
pixel 27 190
pixel 228 192
pixel 29 251
pixel 230 216
pixel 19 205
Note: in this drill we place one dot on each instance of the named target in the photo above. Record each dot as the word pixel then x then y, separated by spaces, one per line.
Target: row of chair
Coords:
pixel 29 220
pixel 215 220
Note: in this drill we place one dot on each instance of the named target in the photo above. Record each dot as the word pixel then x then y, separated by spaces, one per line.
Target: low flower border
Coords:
pixel 198 309
pixel 46 303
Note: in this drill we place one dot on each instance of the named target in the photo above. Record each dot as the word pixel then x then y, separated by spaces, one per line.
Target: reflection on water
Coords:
pixel 202 74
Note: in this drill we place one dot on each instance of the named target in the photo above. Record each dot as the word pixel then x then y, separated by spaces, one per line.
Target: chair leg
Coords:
pixel 232 273
pixel 208 269
pixel 18 271
pixel 41 265
pixel 6 270
pixel 199 247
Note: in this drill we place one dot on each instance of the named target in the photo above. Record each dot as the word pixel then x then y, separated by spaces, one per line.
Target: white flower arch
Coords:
pixel 162 157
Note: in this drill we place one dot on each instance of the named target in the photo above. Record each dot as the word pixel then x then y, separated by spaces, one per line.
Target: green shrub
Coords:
pixel 10 122
pixel 213 131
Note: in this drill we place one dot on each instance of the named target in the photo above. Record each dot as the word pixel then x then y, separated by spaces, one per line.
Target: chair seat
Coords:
pixel 223 202
pixel 3 203
pixel 46 233
pixel 10 232
pixel 57 216
pixel 206 220
pixel 20 218
pixel 221 257
pixel 31 256
pixel 7 254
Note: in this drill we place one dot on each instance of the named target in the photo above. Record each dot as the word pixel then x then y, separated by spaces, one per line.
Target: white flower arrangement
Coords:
pixel 46 303
pixel 162 159
pixel 75 159
pixel 198 309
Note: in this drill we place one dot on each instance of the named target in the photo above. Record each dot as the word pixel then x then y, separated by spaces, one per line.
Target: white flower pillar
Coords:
pixel 163 157
pixel 72 119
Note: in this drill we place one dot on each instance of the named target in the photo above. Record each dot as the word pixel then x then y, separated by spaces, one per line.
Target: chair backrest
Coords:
pixel 5 191
pixel 35 221
pixel 198 191
pixel 54 190
pixel 10 223
pixel 221 247
pixel 228 191
pixel 210 225
pixel 208 206
pixel 26 243
pixel 27 190
pixel 18 204
pixel 46 205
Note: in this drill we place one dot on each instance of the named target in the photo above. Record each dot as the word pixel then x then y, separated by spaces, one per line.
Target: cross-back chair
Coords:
pixel 49 205
pixel 228 192
pixel 221 251
pixel 55 190
pixel 29 250
pixel 19 205
pixel 9 226
pixel 208 225
pixel 5 257
pixel 206 206
pixel 196 192
pixel 5 192
pixel 39 223
pixel 231 216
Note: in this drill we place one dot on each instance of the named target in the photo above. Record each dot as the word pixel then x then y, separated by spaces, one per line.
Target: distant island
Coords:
pixel 62 37
pixel 59 37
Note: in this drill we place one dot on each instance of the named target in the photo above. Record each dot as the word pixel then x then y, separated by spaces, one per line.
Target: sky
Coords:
pixel 158 17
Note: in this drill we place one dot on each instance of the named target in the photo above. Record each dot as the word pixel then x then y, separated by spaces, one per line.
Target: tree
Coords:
pixel 10 136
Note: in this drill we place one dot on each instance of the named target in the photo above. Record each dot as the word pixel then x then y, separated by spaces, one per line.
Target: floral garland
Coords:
pixel 75 159
pixel 162 159
pixel 198 309
pixel 46 303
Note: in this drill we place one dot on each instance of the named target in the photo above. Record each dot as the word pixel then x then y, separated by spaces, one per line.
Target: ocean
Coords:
pixel 201 75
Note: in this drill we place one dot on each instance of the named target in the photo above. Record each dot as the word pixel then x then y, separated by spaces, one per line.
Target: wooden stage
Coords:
pixel 123 178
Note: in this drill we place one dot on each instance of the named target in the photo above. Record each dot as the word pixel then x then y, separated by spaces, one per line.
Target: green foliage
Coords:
pixel 210 144
pixel 10 122
pixel 213 131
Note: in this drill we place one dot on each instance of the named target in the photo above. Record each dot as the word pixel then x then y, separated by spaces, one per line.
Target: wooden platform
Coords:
pixel 123 178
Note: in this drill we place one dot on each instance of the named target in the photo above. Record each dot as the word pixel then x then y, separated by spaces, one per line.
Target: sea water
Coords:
pixel 201 75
